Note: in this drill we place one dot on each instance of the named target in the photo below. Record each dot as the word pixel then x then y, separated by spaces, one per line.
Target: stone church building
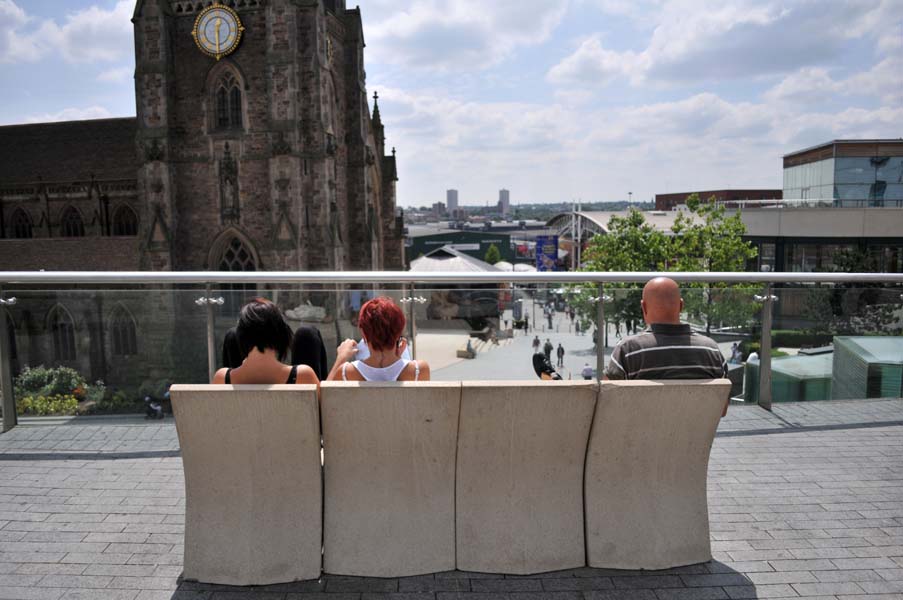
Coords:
pixel 261 156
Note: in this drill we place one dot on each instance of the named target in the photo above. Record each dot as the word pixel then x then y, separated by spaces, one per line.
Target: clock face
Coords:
pixel 217 31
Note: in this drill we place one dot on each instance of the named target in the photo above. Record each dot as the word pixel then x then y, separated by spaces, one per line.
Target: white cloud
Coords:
pixel 592 65
pixel 14 47
pixel 89 35
pixel 716 40
pixel 117 75
pixel 552 152
pixel 71 114
pixel 457 35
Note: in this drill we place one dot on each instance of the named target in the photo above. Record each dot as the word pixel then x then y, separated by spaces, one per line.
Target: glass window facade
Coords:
pixel 809 258
pixel 849 181
pixel 810 181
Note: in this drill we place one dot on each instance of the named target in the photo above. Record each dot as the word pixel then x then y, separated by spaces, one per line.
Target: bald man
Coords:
pixel 668 349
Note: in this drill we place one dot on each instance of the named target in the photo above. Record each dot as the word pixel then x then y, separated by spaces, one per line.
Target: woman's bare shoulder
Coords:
pixel 220 377
pixel 306 375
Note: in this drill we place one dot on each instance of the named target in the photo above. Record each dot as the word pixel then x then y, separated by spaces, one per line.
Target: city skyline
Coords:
pixel 558 99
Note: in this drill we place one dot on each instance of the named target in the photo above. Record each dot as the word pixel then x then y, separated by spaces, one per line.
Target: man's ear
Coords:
pixel 681 305
pixel 643 306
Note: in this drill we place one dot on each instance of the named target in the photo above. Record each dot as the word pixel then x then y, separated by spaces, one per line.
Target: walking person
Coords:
pixel 547 349
pixel 587 371
pixel 560 353
pixel 536 344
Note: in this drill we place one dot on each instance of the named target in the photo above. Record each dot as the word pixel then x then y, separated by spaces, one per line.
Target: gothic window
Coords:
pixel 22 225
pixel 62 331
pixel 124 333
pixel 125 221
pixel 237 258
pixel 71 224
pixel 228 103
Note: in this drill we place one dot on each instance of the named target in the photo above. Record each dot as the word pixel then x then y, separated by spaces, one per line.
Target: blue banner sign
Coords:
pixel 547 253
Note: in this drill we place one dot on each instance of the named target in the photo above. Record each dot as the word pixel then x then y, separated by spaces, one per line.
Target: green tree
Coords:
pixel 632 244
pixel 704 239
pixel 493 255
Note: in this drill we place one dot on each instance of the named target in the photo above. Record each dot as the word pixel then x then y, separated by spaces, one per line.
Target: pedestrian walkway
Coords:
pixel 804 502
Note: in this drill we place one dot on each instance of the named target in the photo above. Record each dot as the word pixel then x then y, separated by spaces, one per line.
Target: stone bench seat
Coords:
pixel 421 477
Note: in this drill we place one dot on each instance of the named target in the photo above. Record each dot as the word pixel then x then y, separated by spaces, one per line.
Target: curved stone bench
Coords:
pixel 521 450
pixel 646 471
pixel 251 456
pixel 389 473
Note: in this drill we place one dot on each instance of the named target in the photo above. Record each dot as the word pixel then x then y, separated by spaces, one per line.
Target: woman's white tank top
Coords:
pixel 390 373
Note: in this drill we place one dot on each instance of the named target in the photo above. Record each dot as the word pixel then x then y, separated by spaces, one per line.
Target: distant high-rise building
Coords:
pixel 504 202
pixel 451 200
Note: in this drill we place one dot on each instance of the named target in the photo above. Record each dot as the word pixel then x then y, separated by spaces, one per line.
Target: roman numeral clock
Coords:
pixel 217 31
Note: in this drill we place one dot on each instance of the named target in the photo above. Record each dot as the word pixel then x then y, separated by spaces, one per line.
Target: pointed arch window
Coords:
pixel 124 333
pixel 237 257
pixel 228 99
pixel 62 332
pixel 125 222
pixel 22 225
pixel 71 223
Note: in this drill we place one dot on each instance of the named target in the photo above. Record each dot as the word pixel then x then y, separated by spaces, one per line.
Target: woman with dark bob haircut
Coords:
pixel 263 339
pixel 381 322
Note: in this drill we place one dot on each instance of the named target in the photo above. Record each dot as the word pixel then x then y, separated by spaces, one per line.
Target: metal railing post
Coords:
pixel 211 335
pixel 600 333
pixel 765 349
pixel 413 320
pixel 10 418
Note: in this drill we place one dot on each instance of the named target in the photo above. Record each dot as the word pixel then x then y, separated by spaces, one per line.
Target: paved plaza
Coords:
pixel 805 502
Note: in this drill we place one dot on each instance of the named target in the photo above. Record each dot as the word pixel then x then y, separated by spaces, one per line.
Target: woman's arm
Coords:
pixel 345 353
pixel 424 370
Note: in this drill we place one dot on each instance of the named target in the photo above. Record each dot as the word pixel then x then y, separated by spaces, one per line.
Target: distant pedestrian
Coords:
pixel 550 319
pixel 587 371
pixel 526 324
pixel 547 349
pixel 536 344
pixel 560 353
pixel 736 354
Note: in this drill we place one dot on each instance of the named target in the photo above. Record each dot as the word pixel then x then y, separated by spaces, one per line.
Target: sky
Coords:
pixel 555 100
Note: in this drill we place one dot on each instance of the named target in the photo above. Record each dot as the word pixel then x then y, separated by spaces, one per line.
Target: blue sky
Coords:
pixel 552 99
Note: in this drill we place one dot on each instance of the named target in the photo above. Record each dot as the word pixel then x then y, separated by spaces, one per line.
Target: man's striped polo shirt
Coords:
pixel 667 351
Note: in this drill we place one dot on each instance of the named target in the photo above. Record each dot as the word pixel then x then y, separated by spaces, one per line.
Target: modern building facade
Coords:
pixel 504 202
pixel 451 201
pixel 674 200
pixel 847 173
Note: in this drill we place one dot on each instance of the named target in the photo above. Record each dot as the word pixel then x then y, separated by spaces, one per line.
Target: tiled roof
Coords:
pixel 69 151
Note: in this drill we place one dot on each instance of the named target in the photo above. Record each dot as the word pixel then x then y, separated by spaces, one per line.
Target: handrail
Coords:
pixel 408 277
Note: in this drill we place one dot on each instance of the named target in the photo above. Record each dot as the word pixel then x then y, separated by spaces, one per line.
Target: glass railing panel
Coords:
pixel 77 351
pixel 835 342
pixel 504 331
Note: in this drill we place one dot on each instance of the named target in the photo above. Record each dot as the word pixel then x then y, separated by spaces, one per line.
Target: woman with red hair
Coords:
pixel 381 323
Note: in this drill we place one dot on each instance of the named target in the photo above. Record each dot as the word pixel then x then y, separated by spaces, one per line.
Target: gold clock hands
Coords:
pixel 219 24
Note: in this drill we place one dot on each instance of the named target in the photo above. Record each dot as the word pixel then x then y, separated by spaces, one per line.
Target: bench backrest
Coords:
pixel 521 449
pixel 646 468
pixel 251 457
pixel 389 473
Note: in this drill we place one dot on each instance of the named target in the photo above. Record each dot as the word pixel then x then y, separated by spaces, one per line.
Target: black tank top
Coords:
pixel 291 376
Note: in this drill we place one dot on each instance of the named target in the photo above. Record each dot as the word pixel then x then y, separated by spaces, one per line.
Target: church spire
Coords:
pixel 376 118
pixel 379 132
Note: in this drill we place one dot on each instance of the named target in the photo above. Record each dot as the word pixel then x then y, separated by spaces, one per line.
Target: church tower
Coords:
pixel 255 139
